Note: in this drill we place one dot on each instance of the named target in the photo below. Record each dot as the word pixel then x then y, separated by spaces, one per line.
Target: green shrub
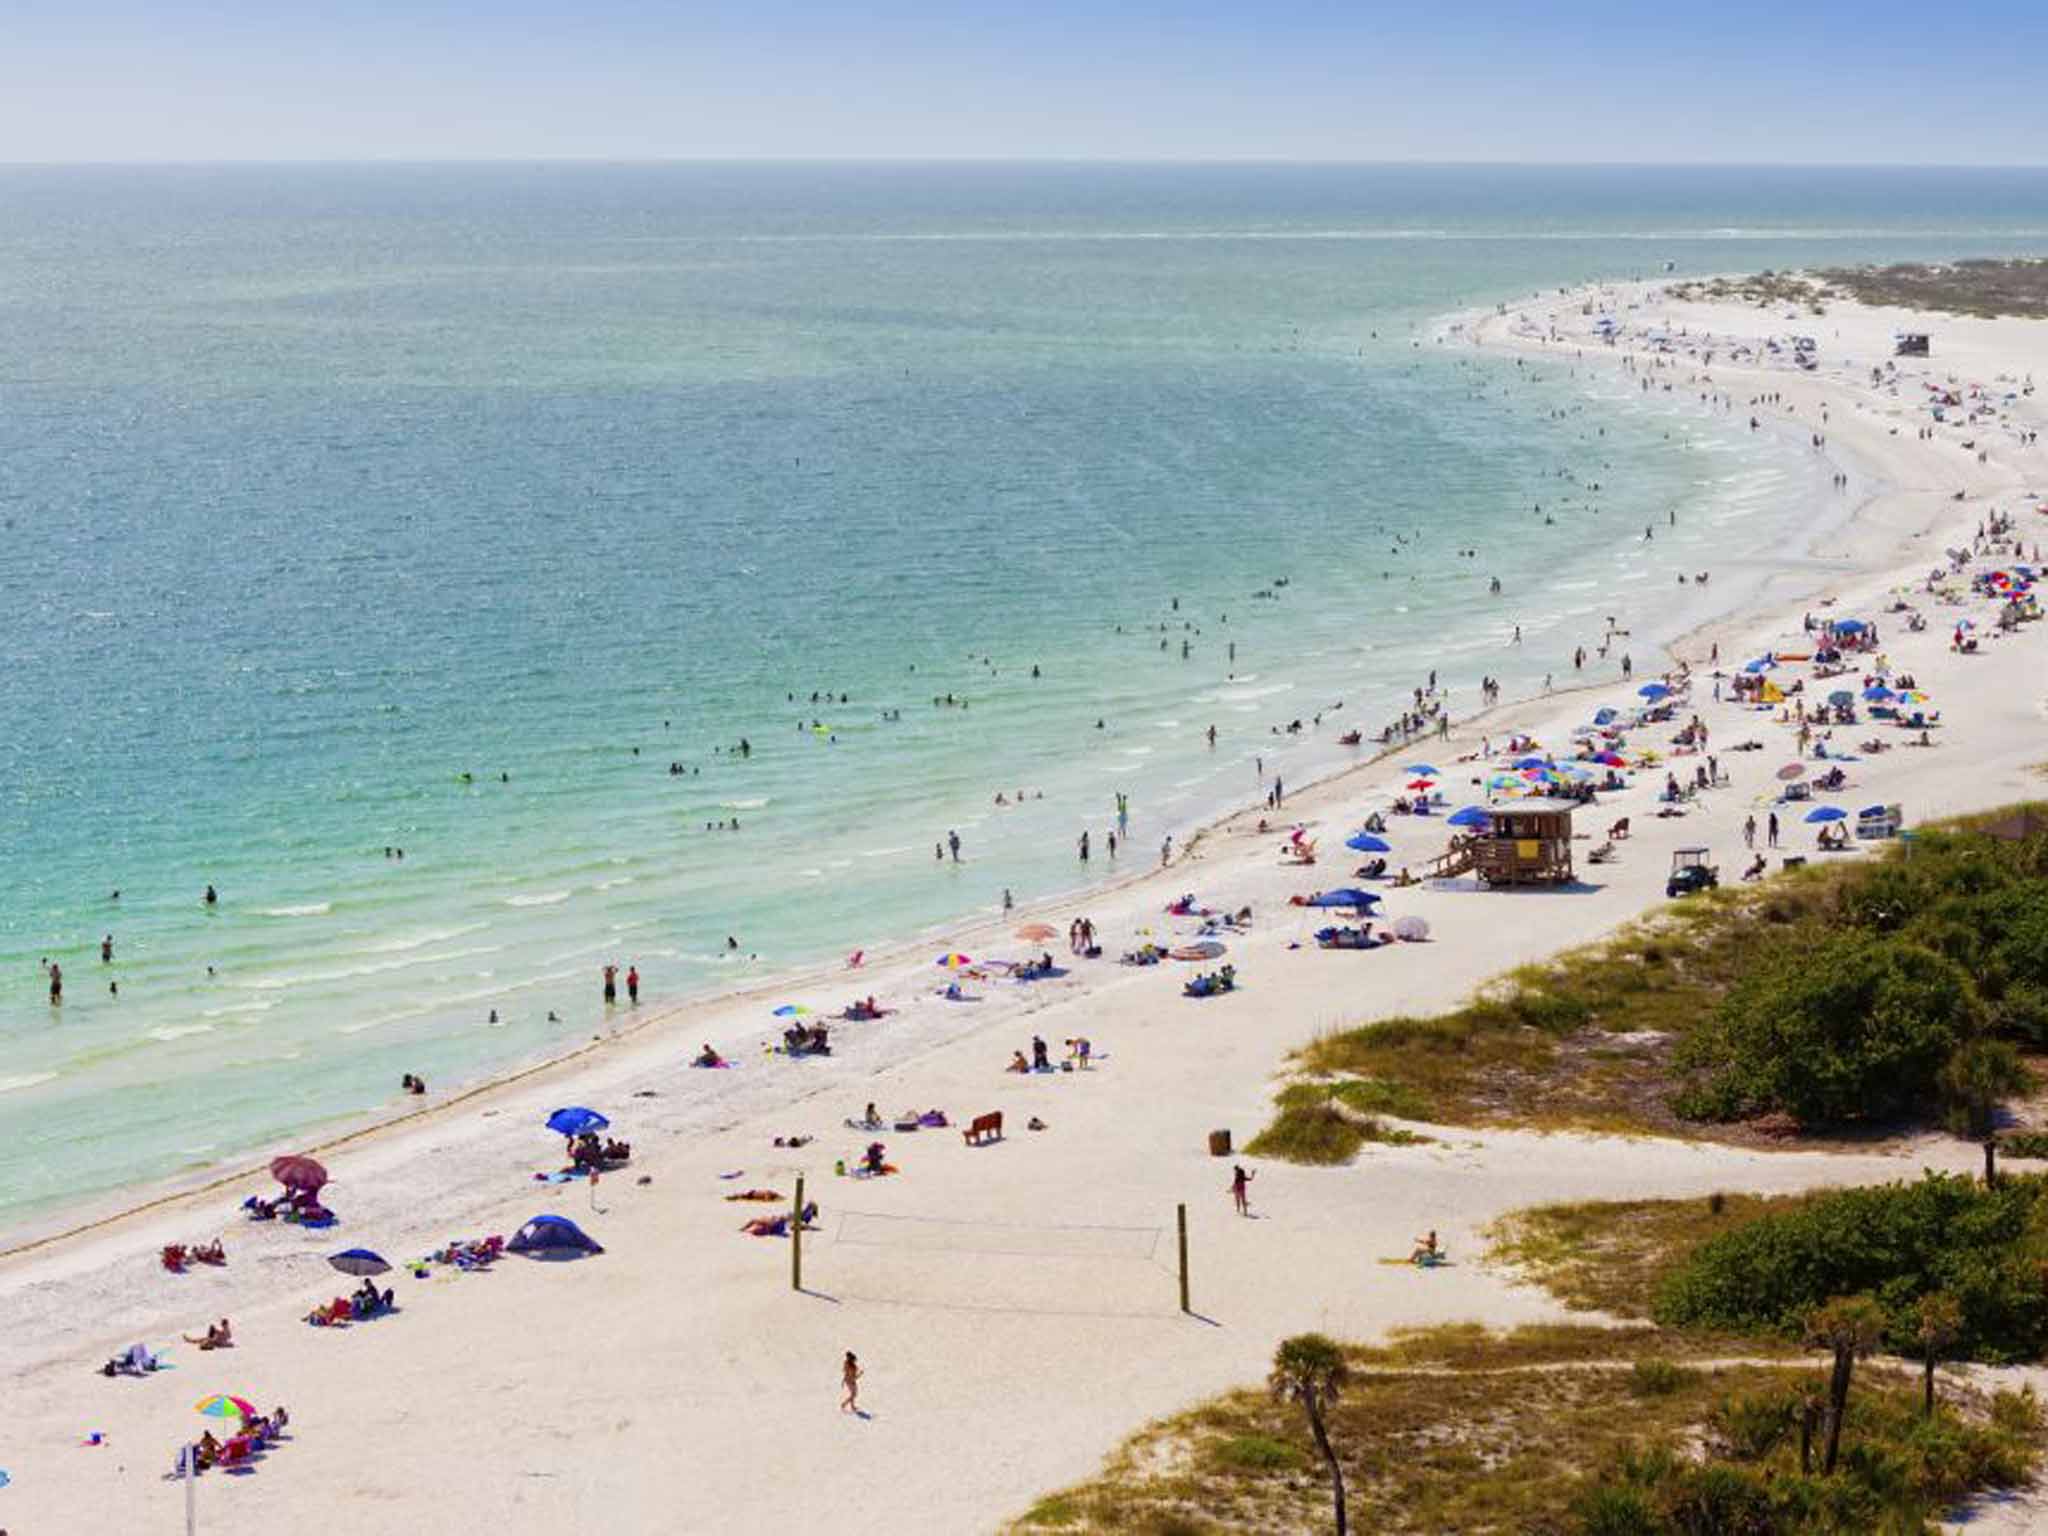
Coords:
pixel 1615 1509
pixel 1845 1026
pixel 2024 1144
pixel 1717 1500
pixel 1753 1424
pixel 1973 1080
pixel 1897 1242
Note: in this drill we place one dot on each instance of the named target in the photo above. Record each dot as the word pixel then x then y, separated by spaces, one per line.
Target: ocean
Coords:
pixel 483 511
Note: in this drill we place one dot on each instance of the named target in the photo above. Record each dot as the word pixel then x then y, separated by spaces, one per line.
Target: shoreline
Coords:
pixel 970 1332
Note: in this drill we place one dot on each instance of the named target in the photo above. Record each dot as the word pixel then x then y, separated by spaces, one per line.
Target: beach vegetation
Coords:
pixel 1322 1124
pixel 1757 1269
pixel 1553 1430
pixel 1879 996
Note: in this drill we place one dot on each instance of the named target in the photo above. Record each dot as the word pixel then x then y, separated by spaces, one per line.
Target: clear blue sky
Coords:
pixel 1715 80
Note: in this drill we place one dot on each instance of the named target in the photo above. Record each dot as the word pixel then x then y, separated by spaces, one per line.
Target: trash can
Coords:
pixel 1219 1143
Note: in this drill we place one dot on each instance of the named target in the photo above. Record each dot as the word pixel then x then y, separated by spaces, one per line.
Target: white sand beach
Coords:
pixel 1014 1305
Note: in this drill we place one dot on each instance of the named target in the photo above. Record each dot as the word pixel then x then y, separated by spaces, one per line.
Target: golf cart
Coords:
pixel 1691 872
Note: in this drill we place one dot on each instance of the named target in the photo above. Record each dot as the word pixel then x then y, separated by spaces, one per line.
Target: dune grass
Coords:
pixel 1466 1430
pixel 1324 1124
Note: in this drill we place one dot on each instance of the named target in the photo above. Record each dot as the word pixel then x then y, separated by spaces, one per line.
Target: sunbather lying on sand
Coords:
pixel 218 1336
pixel 757 1194
pixel 136 1361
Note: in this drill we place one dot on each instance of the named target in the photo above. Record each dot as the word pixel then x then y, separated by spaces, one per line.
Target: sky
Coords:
pixel 1797 81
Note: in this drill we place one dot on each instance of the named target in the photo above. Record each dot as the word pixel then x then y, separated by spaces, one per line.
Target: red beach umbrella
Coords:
pixel 296 1172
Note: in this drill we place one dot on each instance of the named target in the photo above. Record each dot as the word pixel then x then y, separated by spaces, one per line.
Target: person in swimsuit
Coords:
pixel 56 983
pixel 849 1377
pixel 611 983
pixel 633 983
pixel 1240 1189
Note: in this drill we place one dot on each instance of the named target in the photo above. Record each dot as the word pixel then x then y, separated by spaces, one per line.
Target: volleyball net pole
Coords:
pixel 796 1239
pixel 1181 1211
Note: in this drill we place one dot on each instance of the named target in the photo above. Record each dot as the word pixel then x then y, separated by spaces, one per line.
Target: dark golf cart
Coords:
pixel 1691 872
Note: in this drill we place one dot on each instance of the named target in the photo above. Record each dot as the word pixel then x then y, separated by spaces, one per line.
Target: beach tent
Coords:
pixel 552 1237
pixel 1365 842
pixel 1412 928
pixel 575 1120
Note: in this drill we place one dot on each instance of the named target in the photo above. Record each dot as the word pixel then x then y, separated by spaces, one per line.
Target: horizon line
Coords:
pixel 1192 161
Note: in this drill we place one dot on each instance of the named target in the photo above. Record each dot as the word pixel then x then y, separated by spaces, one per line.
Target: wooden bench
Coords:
pixel 985 1128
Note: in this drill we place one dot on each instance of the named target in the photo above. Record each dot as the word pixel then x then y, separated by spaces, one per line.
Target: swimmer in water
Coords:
pixel 212 896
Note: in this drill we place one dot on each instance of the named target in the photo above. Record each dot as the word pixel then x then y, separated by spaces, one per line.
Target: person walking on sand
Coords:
pixel 1749 833
pixel 1774 829
pixel 1240 1189
pixel 849 1377
pixel 1166 851
pixel 611 984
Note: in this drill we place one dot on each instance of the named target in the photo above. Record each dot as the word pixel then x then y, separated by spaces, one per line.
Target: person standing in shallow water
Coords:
pixel 633 984
pixel 611 984
pixel 56 984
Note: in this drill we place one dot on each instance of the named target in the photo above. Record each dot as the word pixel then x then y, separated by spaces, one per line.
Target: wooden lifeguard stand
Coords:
pixel 1526 843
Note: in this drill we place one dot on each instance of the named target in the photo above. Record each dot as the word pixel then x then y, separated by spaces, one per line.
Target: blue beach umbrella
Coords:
pixel 1365 842
pixel 1605 716
pixel 359 1262
pixel 1877 693
pixel 1471 816
pixel 552 1237
pixel 1532 762
pixel 1826 813
pixel 1349 896
pixel 1427 770
pixel 1850 626
pixel 575 1121
pixel 1653 690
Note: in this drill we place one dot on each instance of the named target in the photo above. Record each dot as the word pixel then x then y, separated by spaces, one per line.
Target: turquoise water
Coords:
pixel 325 487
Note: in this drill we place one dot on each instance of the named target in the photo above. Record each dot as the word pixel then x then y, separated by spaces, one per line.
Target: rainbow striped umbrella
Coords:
pixel 955 961
pixel 221 1406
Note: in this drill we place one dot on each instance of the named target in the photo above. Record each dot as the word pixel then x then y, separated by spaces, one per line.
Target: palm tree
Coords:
pixel 1850 1326
pixel 1309 1369
pixel 1938 1325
